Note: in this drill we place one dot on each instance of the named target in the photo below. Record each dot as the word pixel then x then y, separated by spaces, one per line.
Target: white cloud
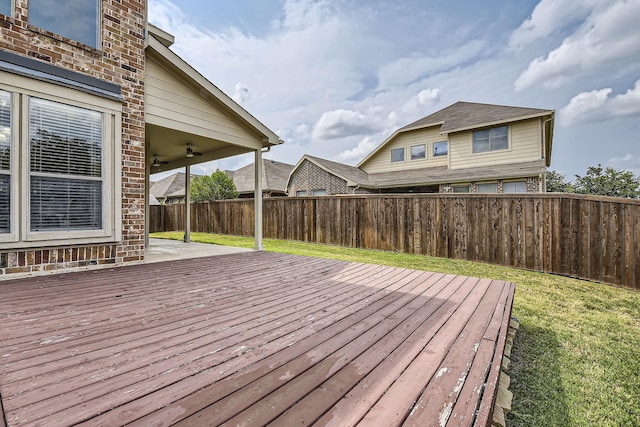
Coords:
pixel 423 100
pixel 411 69
pixel 608 38
pixel 241 93
pixel 550 17
pixel 583 106
pixel 343 123
pixel 357 153
pixel 628 162
pixel 598 106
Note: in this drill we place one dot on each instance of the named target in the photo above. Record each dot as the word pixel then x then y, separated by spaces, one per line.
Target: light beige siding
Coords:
pixel 171 103
pixel 525 145
pixel 381 161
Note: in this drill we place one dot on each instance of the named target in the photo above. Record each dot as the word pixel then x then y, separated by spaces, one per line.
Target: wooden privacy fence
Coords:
pixel 593 238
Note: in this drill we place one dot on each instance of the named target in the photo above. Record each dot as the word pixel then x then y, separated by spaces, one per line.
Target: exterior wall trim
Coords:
pixel 38 70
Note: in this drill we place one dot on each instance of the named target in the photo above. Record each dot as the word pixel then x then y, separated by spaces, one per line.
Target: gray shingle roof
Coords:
pixel 169 186
pixel 430 175
pixel 465 115
pixel 350 173
pixel 442 175
pixel 274 176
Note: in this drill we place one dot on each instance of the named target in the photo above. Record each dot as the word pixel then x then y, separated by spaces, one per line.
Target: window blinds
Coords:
pixel 5 162
pixel 65 165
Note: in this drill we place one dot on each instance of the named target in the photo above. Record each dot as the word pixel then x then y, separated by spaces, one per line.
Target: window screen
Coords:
pixel 487 188
pixel 440 148
pixel 74 19
pixel 397 155
pixel 418 152
pixel 65 167
pixel 491 139
pixel 515 187
pixel 5 162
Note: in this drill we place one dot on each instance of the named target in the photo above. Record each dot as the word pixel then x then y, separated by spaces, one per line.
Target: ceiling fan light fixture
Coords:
pixel 189 151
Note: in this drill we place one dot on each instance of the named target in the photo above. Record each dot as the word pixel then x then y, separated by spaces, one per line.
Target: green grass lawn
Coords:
pixel 576 357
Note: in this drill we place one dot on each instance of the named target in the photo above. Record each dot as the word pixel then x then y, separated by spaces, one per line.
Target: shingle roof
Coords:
pixel 274 176
pixel 465 115
pixel 169 186
pixel 350 173
pixel 428 176
pixel 442 175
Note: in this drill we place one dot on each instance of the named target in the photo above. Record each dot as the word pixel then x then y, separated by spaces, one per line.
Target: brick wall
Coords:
pixel 119 59
pixel 309 177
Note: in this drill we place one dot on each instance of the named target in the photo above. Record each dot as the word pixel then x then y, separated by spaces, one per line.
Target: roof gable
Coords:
pixel 463 116
pixel 274 176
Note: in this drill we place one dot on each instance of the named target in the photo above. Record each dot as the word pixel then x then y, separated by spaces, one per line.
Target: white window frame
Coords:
pixel 319 192
pixel 424 157
pixel 12 235
pixel 404 155
pixel 23 88
pixel 301 193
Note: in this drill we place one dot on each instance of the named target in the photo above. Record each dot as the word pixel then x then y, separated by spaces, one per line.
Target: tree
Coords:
pixel 556 183
pixel 217 186
pixel 608 182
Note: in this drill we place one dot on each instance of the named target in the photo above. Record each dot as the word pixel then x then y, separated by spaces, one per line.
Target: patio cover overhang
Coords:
pixel 183 109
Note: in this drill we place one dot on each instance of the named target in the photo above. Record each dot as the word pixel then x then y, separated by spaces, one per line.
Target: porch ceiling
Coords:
pixel 170 146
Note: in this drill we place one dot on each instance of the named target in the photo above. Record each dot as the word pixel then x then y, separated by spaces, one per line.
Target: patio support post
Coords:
pixel 187 204
pixel 257 199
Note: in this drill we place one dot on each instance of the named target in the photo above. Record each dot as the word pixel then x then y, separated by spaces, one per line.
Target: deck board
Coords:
pixel 251 339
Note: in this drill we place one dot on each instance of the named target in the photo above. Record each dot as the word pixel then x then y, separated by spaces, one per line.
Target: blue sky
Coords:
pixel 334 78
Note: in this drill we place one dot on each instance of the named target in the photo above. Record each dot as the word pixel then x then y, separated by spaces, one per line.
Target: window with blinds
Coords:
pixel 65 167
pixel 5 162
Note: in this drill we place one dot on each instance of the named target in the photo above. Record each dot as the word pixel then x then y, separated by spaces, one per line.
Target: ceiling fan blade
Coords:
pixel 195 153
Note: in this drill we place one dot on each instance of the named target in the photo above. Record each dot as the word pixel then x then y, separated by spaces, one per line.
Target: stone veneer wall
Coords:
pixel 120 60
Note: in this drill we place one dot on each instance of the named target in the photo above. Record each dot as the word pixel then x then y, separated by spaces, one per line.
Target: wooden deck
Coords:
pixel 251 339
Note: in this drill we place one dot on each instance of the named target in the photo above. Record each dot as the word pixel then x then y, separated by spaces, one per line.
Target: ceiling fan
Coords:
pixel 156 163
pixel 191 153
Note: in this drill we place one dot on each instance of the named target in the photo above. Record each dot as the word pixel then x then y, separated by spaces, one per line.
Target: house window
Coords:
pixel 491 139
pixel 301 193
pixel 319 192
pixel 487 188
pixel 65 167
pixel 77 20
pixel 418 152
pixel 515 187
pixel 440 148
pixel 5 7
pixel 460 188
pixel 59 165
pixel 397 155
pixel 5 161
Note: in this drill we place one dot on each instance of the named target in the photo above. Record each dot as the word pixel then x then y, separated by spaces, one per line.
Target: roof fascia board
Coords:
pixel 269 137
pixel 499 122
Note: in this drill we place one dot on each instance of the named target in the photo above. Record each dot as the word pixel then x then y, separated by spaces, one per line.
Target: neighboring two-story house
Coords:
pixel 465 147
pixel 91 97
